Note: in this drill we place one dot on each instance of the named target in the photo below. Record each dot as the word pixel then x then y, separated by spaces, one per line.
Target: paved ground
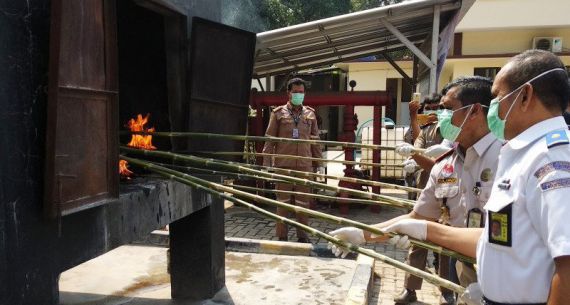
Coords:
pixel 136 275
pixel 241 222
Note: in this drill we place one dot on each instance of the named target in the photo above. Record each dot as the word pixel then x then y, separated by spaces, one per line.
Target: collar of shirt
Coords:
pixel 478 149
pixel 295 110
pixel 536 132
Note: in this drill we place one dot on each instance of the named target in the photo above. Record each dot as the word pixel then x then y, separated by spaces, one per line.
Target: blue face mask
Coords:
pixel 446 128
pixel 495 123
pixel 297 98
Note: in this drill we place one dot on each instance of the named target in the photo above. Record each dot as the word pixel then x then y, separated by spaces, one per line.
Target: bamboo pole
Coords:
pixel 292 208
pixel 386 200
pixel 218 190
pixel 322 176
pixel 256 154
pixel 262 139
pixel 253 177
pixel 216 172
pixel 312 195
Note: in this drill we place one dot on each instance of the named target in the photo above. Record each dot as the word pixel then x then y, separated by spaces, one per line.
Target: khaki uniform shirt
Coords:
pixel 466 182
pixel 429 136
pixel 282 124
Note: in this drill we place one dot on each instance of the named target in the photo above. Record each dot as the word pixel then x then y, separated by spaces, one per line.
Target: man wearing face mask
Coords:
pixel 527 260
pixel 296 121
pixel 423 136
pixel 459 183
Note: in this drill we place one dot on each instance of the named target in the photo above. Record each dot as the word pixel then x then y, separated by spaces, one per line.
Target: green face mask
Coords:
pixel 297 98
pixel 495 123
pixel 446 128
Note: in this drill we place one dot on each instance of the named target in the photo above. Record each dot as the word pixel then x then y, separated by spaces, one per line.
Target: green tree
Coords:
pixel 282 13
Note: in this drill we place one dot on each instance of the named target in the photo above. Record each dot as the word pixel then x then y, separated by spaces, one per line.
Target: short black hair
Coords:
pixel 296 81
pixel 552 89
pixel 433 98
pixel 472 90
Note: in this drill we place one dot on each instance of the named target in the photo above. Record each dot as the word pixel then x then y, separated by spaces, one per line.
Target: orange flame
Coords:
pixel 123 170
pixel 137 140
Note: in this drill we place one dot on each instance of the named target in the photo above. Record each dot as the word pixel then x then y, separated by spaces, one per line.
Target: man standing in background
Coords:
pixel 294 121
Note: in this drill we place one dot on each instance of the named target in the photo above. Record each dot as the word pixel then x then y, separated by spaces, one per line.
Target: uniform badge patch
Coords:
pixel 556 138
pixel 550 167
pixel 486 175
pixel 555 184
pixel 447 170
pixel 500 226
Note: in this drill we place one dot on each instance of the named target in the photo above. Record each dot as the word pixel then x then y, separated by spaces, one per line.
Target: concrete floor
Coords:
pixel 136 275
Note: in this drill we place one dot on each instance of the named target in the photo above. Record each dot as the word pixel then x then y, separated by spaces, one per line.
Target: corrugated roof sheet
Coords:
pixel 347 37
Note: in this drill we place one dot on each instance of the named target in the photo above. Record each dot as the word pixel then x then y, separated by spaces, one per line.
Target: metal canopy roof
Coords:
pixel 352 36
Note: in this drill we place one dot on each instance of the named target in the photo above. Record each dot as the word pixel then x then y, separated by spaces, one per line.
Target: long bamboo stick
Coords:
pixel 262 139
pixel 256 154
pixel 325 176
pixel 239 176
pixel 253 177
pixel 292 208
pixel 308 174
pixel 218 190
pixel 312 195
pixel 386 200
pixel 297 173
pixel 216 172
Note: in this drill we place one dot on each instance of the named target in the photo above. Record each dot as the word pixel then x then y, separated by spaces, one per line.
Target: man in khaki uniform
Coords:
pixel 293 120
pixel 459 183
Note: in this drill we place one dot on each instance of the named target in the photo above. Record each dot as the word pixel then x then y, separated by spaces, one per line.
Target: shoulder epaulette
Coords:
pixel 557 137
pixel 445 155
pixel 310 108
pixel 278 108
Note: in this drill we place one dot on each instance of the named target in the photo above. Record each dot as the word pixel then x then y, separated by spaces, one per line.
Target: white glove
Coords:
pixel 351 235
pixel 436 150
pixel 400 242
pixel 414 228
pixel 472 295
pixel 404 149
pixel 410 166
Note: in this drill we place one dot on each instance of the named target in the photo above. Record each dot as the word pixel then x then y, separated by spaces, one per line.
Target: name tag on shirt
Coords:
pixel 500 226
pixel 474 218
pixel 295 133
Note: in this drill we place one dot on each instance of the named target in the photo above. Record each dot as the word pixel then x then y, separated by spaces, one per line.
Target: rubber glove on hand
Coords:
pixel 414 228
pixel 404 149
pixel 410 166
pixel 351 235
pixel 436 150
pixel 472 295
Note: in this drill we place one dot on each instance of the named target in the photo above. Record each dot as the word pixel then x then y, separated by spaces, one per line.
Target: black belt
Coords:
pixel 489 302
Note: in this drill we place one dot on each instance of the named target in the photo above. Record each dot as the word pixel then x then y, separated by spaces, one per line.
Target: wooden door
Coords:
pixel 81 167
